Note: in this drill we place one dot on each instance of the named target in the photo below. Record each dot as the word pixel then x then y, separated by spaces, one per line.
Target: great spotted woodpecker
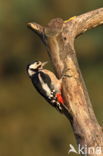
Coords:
pixel 46 84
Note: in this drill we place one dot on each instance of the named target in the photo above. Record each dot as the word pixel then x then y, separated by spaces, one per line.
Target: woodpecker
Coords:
pixel 46 83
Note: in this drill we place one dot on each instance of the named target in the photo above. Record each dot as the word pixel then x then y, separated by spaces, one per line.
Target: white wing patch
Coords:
pixel 44 85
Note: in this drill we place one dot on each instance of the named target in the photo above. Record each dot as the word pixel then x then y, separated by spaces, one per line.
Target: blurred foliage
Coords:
pixel 28 125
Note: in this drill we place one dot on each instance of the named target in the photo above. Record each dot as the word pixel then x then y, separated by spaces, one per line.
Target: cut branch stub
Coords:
pixel 59 38
pixel 38 29
pixel 54 27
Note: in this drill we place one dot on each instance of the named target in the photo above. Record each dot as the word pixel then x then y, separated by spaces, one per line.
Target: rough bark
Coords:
pixel 59 36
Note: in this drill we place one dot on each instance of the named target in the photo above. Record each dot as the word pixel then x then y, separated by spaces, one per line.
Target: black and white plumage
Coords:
pixel 46 83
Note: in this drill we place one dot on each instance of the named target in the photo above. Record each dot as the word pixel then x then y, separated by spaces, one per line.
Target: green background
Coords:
pixel 28 125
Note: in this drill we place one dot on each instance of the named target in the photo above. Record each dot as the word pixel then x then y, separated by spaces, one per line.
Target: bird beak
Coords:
pixel 44 63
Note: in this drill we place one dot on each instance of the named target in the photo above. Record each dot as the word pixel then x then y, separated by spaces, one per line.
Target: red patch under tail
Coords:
pixel 59 98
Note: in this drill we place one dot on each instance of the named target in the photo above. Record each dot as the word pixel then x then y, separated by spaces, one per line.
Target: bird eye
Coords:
pixel 37 62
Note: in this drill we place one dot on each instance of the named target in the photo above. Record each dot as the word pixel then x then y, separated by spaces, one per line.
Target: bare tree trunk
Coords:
pixel 59 38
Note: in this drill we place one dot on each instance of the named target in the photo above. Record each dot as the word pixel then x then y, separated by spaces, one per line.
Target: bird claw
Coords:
pixel 66 75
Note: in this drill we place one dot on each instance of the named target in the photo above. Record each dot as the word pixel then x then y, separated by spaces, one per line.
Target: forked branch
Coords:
pixel 59 37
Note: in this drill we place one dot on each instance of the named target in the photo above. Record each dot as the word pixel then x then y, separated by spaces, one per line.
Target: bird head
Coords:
pixel 35 67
